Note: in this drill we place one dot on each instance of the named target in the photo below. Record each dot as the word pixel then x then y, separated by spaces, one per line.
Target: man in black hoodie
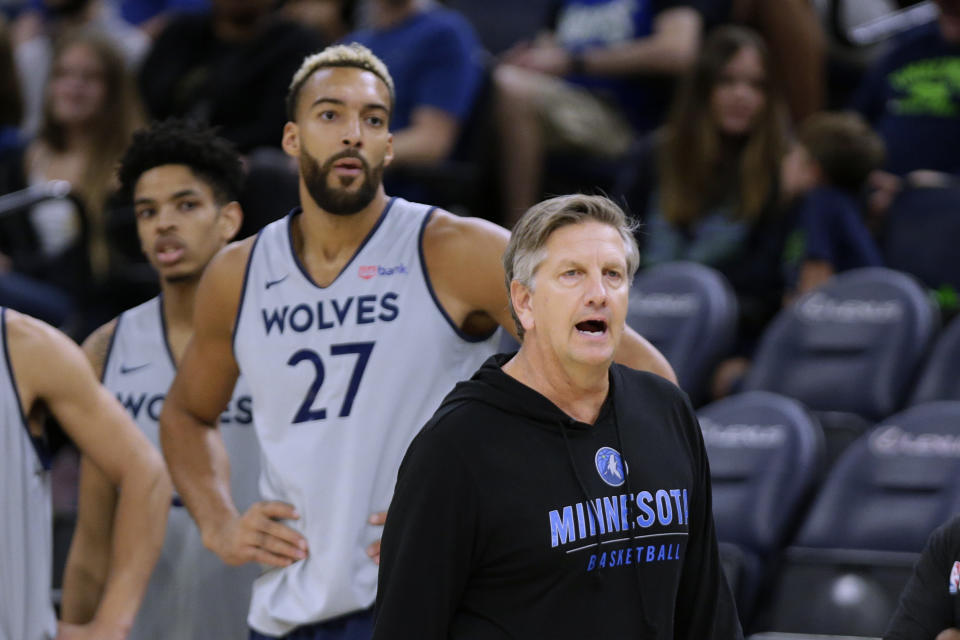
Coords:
pixel 556 494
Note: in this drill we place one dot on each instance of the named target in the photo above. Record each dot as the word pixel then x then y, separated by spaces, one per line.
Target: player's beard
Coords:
pixel 338 200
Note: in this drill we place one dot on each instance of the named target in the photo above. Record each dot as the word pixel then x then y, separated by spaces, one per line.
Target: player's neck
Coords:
pixel 178 303
pixel 325 241
pixel 579 391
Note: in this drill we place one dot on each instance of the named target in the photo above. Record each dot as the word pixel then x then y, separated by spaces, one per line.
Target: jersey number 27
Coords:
pixel 306 412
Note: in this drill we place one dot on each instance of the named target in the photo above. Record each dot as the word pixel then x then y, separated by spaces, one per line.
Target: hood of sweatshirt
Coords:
pixel 491 385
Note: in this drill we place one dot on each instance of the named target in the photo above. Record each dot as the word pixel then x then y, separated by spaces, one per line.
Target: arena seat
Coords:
pixel 940 375
pixel 922 225
pixel 889 490
pixel 766 456
pixel 848 350
pixel 689 312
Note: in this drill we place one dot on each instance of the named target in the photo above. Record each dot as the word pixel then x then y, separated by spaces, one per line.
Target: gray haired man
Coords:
pixel 557 494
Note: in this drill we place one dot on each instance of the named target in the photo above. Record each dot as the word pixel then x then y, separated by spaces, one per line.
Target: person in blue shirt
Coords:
pixel 435 58
pixel 588 85
pixel 830 166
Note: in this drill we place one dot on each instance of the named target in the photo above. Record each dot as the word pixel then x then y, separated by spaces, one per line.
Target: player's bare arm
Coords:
pixel 52 371
pixel 191 440
pixel 88 561
pixel 464 259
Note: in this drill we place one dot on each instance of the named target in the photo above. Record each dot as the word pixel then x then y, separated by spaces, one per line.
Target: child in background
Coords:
pixel 828 170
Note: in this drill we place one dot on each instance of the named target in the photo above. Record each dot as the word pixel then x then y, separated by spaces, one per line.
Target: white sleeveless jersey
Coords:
pixel 26 522
pixel 192 594
pixel 342 378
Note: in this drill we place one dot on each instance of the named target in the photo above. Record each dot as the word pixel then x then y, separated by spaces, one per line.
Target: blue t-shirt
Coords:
pixel 435 59
pixel 834 231
pixel 582 25
pixel 912 99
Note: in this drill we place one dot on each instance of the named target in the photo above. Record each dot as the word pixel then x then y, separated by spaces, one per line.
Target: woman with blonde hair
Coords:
pixel 89 114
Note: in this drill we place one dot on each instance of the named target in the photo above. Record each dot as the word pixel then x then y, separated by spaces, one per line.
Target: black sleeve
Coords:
pixel 428 541
pixel 926 605
pixel 705 607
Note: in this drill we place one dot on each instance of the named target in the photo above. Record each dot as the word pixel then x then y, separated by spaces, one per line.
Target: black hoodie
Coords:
pixel 513 520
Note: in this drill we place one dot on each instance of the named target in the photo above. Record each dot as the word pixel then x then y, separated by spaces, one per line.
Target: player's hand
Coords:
pixel 949 634
pixel 91 631
pixel 257 536
pixel 374 549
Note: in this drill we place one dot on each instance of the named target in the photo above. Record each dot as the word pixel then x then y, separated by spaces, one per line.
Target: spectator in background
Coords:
pixel 706 184
pixel 89 115
pixel 828 169
pixel 16 290
pixel 588 85
pixel 228 67
pixel 436 60
pixel 928 605
pixel 37 30
pixel 911 97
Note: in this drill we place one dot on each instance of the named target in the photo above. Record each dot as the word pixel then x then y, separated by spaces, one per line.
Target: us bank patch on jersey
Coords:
pixel 955 578
pixel 610 466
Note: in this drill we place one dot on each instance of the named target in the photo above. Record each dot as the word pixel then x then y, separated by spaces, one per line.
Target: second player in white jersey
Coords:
pixel 192 594
pixel 342 378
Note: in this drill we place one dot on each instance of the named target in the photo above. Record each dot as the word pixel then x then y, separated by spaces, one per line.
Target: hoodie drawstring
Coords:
pixel 591 506
pixel 645 620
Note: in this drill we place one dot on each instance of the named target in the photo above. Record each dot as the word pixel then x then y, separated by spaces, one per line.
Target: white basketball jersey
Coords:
pixel 26 520
pixel 192 594
pixel 342 377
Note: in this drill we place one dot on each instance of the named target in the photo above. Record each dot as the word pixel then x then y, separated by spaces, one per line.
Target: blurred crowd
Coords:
pixel 766 140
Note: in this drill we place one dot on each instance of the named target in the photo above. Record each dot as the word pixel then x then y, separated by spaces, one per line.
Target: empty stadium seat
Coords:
pixel 848 350
pixel 940 375
pixel 855 551
pixel 689 312
pixel 922 226
pixel 766 455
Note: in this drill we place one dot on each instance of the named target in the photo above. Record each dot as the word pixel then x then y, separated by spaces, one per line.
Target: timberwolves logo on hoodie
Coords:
pixel 647 520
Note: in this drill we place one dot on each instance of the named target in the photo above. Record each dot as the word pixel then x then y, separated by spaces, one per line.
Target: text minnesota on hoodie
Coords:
pixel 512 519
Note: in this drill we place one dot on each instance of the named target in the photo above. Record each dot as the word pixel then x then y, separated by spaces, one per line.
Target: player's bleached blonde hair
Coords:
pixel 341 55
pixel 527 246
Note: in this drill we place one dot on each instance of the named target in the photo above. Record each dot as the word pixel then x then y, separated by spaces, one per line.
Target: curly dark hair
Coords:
pixel 173 141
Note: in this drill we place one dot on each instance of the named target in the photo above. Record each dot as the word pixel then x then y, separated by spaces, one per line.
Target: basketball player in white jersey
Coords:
pixel 351 318
pixel 44 371
pixel 183 182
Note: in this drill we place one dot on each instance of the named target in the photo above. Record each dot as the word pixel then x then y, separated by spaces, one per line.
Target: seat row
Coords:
pixel 809 551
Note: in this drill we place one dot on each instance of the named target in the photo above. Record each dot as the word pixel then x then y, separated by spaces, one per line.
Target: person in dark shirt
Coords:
pixel 834 156
pixel 556 494
pixel 930 603
pixel 228 68
pixel 911 97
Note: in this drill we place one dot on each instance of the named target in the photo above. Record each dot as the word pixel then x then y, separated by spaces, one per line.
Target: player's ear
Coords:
pixel 522 298
pixel 388 158
pixel 230 219
pixel 291 139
